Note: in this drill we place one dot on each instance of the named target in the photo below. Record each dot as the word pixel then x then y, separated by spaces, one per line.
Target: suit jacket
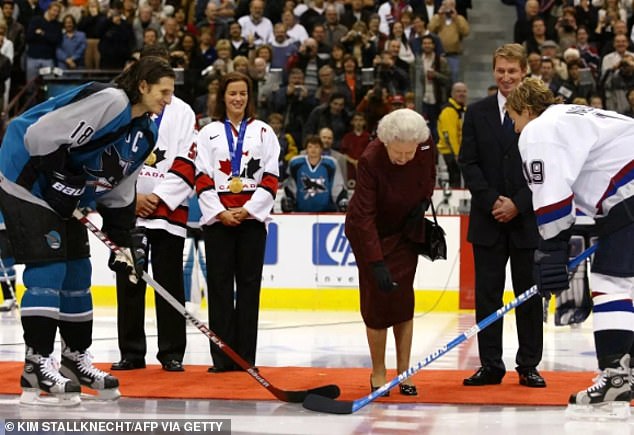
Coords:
pixel 491 166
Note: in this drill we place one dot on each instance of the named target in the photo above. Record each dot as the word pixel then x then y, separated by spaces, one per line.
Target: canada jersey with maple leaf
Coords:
pixel 259 171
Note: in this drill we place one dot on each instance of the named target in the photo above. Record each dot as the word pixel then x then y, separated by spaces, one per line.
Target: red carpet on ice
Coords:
pixel 434 386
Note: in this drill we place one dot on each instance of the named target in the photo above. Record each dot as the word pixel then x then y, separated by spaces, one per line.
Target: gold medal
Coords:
pixel 151 159
pixel 235 185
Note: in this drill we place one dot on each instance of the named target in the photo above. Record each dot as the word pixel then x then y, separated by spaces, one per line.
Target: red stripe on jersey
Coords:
pixel 233 200
pixel 204 182
pixel 185 169
pixel 176 217
pixel 269 182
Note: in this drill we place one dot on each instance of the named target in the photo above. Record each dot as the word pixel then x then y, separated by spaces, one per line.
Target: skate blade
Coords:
pixel 33 397
pixel 108 395
pixel 602 411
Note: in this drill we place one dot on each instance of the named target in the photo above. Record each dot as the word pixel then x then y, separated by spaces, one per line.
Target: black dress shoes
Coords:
pixel 408 390
pixel 128 364
pixel 531 378
pixel 173 366
pixel 485 376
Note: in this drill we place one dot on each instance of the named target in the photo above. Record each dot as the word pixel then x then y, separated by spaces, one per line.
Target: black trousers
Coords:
pixel 490 264
pixel 235 256
pixel 166 255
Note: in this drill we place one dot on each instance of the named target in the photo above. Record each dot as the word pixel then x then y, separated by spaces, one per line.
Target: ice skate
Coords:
pixel 41 375
pixel 78 367
pixel 609 397
pixel 8 305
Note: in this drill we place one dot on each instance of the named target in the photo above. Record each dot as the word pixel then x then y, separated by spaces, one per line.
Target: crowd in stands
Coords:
pixel 340 64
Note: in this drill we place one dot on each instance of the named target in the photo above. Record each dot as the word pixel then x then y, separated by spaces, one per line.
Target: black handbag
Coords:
pixel 435 246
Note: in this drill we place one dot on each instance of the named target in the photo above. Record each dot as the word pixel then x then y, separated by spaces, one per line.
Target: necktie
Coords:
pixel 508 123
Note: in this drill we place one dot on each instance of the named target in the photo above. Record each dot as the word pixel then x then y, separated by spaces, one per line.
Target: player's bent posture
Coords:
pixel 83 148
pixel 578 157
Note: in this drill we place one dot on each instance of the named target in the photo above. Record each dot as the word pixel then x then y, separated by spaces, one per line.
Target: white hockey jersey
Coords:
pixel 577 157
pixel 259 172
pixel 176 136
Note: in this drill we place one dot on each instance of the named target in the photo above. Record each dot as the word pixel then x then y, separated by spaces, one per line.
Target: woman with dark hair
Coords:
pixel 83 148
pixel 237 180
pixel 70 51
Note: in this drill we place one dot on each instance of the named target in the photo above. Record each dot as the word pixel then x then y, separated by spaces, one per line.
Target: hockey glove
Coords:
pixel 64 192
pixel 383 277
pixel 551 267
pixel 131 260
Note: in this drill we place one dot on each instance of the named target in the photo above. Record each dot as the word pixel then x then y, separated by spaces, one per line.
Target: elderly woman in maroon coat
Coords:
pixel 395 180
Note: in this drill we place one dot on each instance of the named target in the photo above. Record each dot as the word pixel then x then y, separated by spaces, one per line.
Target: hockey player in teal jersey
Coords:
pixel 83 148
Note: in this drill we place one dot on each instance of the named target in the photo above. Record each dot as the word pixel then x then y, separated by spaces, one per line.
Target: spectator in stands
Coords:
pixel 217 27
pixel 566 28
pixel 288 148
pixel 389 75
pixel 596 101
pixel 336 58
pixel 239 44
pixel 375 36
pixel 452 29
pixel 264 84
pixel 72 48
pixel 313 15
pixel 588 51
pixel 537 36
pixel 550 49
pixel 576 86
pixel 405 52
pixel 328 140
pixel 294 30
pixel 150 37
pixel 42 38
pixel 15 34
pixel 612 61
pixel 323 48
pixel 403 59
pixel 332 115
pixel 390 12
pixel 115 45
pixel 256 25
pixel 28 9
pixel 327 85
pixel 618 81
pixel 374 105
pixel 354 12
pixel 282 47
pixel 419 29
pixel 6 59
pixel 534 65
pixel 169 34
pixel 314 183
pixel 522 29
pixel 358 43
pixel 435 80
pixel 159 9
pixel 350 80
pixel 307 60
pixel 92 21
pixel 354 143
pixel 334 31
pixel 295 102
pixel 549 76
pixel 630 99
pixel 587 15
pixel 450 131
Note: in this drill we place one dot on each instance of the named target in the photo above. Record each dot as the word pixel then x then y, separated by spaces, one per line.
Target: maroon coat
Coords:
pixel 384 196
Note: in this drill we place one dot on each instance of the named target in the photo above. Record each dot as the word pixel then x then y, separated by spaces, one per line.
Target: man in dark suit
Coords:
pixel 502 224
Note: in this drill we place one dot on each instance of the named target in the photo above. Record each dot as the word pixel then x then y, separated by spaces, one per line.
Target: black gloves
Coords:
pixel 418 214
pixel 383 277
pixel 64 192
pixel 131 260
pixel 551 266
pixel 288 204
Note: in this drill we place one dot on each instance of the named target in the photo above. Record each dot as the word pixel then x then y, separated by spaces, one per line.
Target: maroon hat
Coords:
pixel 397 99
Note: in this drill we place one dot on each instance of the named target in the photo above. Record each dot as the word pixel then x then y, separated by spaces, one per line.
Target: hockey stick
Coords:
pixel 330 406
pixel 331 391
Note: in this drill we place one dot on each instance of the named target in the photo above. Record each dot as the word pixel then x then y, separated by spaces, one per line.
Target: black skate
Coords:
pixel 608 398
pixel 78 366
pixel 8 305
pixel 41 375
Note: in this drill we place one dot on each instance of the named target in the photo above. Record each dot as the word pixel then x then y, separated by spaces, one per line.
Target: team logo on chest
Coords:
pixel 113 169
